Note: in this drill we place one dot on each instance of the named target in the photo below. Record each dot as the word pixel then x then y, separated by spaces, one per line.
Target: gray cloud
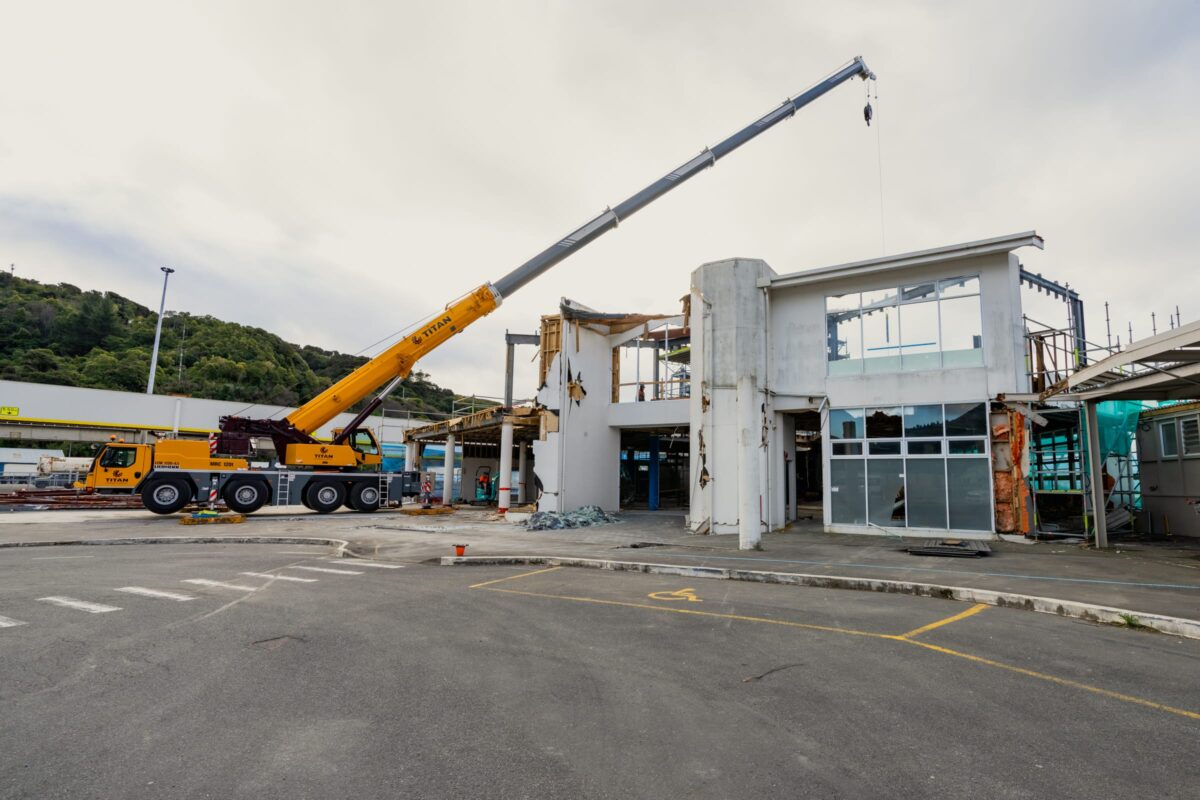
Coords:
pixel 330 173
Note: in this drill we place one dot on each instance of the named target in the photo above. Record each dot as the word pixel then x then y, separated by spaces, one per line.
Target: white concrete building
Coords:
pixel 893 360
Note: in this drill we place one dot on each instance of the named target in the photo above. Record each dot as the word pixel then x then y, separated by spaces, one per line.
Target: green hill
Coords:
pixel 64 335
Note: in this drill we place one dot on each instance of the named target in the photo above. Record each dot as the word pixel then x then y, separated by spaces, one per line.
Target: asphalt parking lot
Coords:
pixel 286 673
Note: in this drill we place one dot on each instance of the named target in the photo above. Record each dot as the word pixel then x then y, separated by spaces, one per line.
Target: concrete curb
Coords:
pixel 341 544
pixel 1177 626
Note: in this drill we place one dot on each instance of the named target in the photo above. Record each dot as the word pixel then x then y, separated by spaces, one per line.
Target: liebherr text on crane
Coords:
pixel 325 476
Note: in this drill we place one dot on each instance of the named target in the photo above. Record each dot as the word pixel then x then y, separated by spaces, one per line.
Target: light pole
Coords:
pixel 158 330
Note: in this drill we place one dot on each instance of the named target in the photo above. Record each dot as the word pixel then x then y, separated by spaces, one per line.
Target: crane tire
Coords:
pixel 166 495
pixel 325 496
pixel 246 495
pixel 364 497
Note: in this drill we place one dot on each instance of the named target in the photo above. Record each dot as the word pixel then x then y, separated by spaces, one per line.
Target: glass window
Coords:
pixel 881 330
pixel 966 447
pixel 969 485
pixel 919 336
pixel 966 419
pixel 884 423
pixel 885 492
pixel 1170 443
pixel 922 421
pixel 118 457
pixel 920 326
pixel 847 448
pixel 847 491
pixel 846 423
pixel 926 480
pixel 931 447
pixel 365 443
pixel 962 332
pixel 958 287
pixel 885 448
pixel 1189 431
pixel 918 293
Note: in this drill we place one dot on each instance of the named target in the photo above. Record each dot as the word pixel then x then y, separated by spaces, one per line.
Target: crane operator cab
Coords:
pixel 365 445
pixel 119 466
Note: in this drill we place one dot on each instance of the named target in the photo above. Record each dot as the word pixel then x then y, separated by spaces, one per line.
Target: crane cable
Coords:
pixel 879 164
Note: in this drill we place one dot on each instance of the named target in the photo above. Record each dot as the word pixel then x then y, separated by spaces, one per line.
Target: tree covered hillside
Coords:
pixel 64 335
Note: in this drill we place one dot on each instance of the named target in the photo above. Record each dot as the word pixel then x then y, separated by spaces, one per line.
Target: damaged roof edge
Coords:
pixel 998 244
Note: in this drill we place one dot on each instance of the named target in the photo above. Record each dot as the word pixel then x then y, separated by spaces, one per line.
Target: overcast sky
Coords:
pixel 335 171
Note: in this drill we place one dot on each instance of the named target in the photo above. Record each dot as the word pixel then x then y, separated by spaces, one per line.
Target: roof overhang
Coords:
pixel 1163 367
pixel 954 252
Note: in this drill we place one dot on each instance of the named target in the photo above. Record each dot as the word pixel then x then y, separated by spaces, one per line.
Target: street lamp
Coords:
pixel 158 330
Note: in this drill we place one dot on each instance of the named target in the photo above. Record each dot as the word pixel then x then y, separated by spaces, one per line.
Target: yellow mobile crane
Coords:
pixel 327 475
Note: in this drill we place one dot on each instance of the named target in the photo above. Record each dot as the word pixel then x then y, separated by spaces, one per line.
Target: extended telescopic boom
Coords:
pixel 397 361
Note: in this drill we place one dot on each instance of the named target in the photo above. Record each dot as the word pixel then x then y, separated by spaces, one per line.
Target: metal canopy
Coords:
pixel 482 426
pixel 1163 367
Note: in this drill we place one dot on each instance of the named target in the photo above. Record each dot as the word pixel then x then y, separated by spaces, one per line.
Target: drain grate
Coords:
pixel 954 548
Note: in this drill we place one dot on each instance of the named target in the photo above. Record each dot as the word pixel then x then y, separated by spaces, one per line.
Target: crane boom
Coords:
pixel 396 362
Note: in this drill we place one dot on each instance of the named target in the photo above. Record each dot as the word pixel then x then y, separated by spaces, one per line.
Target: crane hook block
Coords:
pixel 868 113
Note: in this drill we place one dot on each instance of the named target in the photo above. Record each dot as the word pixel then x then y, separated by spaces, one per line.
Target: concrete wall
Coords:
pixel 579 464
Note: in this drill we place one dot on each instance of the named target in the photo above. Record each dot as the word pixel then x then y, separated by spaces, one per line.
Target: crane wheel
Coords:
pixel 166 495
pixel 324 496
pixel 364 497
pixel 246 496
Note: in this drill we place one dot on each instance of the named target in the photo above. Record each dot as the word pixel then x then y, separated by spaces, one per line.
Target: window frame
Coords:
pixel 863 362
pixel 944 441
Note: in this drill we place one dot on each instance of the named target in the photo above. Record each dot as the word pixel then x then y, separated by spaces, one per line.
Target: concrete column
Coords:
pixel 657 385
pixel 448 472
pixel 1095 467
pixel 522 461
pixel 509 354
pixel 749 496
pixel 790 454
pixel 652 500
pixel 410 456
pixel 504 486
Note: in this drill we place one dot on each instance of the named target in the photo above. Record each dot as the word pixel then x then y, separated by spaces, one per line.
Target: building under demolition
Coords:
pixel 907 395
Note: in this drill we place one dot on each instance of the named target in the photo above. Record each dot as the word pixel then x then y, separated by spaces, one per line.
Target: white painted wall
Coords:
pixel 579 465
pixel 780 345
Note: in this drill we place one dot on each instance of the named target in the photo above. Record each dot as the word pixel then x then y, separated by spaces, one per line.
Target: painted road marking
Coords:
pixel 9 622
pixel 970 612
pixel 57 558
pixel 688 594
pixel 220 584
pixel 514 577
pixel 144 592
pixel 1182 712
pixel 327 569
pixel 358 562
pixel 273 577
pixel 79 605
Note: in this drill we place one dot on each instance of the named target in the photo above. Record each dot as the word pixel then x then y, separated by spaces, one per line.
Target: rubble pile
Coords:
pixel 583 518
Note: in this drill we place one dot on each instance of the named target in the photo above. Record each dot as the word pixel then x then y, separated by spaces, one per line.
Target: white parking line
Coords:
pixel 9 622
pixel 79 605
pixel 327 569
pixel 279 577
pixel 358 562
pixel 144 592
pixel 220 584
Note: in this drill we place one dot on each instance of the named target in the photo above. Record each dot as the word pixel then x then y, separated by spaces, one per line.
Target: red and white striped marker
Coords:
pixel 212 444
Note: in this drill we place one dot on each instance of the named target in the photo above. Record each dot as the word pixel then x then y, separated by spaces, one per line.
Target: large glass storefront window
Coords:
pixel 918 466
pixel 932 325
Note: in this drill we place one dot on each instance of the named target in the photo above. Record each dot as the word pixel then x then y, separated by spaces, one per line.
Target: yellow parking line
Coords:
pixel 714 614
pixel 513 577
pixel 1126 698
pixel 970 612
pixel 1183 712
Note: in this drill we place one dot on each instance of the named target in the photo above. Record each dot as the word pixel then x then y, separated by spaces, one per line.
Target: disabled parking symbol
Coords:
pixel 688 595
